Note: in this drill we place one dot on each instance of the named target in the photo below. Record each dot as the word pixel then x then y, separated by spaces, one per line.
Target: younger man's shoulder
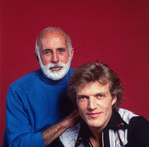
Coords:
pixel 129 116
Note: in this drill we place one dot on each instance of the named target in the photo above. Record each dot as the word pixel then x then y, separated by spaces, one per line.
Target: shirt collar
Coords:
pixel 116 122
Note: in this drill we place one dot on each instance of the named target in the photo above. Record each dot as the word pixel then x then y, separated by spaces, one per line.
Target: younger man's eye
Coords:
pixel 82 97
pixel 101 95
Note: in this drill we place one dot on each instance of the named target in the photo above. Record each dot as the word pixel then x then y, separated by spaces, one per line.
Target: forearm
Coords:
pixel 56 130
pixel 53 132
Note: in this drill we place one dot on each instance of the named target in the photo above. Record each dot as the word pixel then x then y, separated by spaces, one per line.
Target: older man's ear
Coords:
pixel 72 53
pixel 36 56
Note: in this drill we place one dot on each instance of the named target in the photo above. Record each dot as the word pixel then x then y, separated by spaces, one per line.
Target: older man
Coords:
pixel 96 92
pixel 37 106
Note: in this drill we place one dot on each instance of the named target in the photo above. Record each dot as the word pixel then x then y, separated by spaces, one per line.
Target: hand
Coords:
pixel 72 119
pixel 56 130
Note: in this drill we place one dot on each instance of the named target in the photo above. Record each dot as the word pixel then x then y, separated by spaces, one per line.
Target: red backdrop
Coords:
pixel 111 31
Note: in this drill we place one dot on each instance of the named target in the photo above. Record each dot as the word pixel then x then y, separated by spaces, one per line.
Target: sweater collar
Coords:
pixel 50 81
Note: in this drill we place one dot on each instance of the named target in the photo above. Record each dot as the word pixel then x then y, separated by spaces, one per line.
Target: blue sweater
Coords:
pixel 34 103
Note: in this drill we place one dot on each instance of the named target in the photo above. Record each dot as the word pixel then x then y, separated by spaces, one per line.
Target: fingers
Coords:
pixel 74 113
pixel 72 119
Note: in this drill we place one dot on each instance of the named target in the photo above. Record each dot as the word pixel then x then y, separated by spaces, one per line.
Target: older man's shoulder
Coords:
pixel 28 78
pixel 72 70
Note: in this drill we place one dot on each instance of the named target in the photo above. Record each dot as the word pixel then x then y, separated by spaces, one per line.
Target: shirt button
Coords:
pixel 120 125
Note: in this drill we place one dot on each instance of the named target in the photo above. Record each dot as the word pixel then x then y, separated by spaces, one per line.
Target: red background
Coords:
pixel 111 31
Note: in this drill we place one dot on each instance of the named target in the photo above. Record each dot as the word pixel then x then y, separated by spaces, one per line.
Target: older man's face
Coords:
pixel 54 55
pixel 54 49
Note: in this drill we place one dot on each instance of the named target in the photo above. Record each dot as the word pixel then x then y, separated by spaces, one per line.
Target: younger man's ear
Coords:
pixel 36 56
pixel 114 100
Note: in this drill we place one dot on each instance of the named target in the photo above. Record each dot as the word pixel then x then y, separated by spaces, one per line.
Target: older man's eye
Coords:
pixel 47 51
pixel 61 50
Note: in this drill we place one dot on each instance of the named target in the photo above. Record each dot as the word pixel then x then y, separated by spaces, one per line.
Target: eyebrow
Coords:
pixel 96 94
pixel 61 48
pixel 46 50
pixel 82 95
pixel 101 93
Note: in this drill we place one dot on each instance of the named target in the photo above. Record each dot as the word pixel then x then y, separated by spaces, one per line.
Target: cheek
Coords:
pixel 109 109
pixel 81 108
pixel 106 105
pixel 64 58
pixel 45 60
pixel 82 113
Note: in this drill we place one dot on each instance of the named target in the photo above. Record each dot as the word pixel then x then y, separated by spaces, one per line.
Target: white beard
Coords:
pixel 55 75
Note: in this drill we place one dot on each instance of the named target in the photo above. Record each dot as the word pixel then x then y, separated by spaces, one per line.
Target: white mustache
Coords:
pixel 52 65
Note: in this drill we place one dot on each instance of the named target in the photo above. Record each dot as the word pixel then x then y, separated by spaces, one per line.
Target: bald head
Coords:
pixel 54 32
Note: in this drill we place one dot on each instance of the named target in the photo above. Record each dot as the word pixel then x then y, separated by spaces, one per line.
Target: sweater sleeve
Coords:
pixel 138 134
pixel 19 131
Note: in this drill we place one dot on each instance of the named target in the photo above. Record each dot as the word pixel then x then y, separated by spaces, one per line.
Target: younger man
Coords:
pixel 96 92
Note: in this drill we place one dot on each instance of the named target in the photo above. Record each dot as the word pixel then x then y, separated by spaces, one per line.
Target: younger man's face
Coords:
pixel 94 103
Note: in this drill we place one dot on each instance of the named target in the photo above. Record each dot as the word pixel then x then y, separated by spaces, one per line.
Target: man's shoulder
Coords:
pixel 129 117
pixel 71 70
pixel 126 115
pixel 28 78
pixel 138 132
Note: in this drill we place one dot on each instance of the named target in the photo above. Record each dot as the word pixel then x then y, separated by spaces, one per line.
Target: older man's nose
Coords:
pixel 55 57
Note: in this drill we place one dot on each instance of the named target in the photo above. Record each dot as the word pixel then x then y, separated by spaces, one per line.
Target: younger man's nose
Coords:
pixel 91 103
